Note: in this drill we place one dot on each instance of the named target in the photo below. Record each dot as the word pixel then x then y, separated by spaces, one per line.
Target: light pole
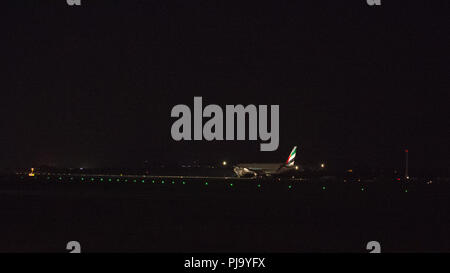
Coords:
pixel 406 167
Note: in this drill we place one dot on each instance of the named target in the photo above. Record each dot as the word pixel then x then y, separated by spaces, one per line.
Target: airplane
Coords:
pixel 266 169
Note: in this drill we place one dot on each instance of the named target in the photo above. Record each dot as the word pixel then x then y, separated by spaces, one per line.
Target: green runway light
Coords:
pixel 323 188
pixel 71 178
pixel 142 180
pixel 184 183
pixel 259 185
pixel 231 185
pixel 82 179
pixel 153 181
pixel 92 179
pixel 48 177
pixel 101 179
pixel 362 189
pixel 206 183
pixel 118 180
pixel 60 178
pixel 173 182
pixel 290 187
pixel 110 180
pixel 406 190
pixel 162 182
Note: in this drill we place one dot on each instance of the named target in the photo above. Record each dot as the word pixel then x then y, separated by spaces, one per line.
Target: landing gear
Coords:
pixel 262 177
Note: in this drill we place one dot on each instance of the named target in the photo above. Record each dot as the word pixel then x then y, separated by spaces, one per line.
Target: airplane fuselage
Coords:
pixel 260 169
pixel 266 169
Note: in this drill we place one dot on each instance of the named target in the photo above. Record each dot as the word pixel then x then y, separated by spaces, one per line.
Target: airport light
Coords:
pixel 259 185
pixel 290 187
pixel 142 180
pixel 324 188
pixel 31 174
pixel 206 183
pixel 296 167
pixel 184 183
pixel 224 163
pixel 322 165
pixel 162 182
pixel 231 184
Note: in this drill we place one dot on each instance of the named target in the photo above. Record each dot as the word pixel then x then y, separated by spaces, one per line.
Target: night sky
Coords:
pixel 93 86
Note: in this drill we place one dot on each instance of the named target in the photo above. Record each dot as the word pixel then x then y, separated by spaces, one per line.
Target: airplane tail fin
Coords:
pixel 290 161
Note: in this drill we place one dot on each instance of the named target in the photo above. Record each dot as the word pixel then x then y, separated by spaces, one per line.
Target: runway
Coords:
pixel 133 176
pixel 214 214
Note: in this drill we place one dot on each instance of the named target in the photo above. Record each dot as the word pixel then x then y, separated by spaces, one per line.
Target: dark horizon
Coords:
pixel 93 86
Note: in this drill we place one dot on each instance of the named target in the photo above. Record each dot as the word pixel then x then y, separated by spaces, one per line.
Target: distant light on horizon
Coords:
pixel 224 163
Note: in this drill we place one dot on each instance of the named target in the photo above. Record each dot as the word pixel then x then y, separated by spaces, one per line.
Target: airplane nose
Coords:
pixel 238 171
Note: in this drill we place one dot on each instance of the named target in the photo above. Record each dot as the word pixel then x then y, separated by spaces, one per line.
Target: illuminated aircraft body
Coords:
pixel 266 169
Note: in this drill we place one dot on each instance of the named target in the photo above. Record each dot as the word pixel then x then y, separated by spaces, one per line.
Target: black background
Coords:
pixel 93 86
